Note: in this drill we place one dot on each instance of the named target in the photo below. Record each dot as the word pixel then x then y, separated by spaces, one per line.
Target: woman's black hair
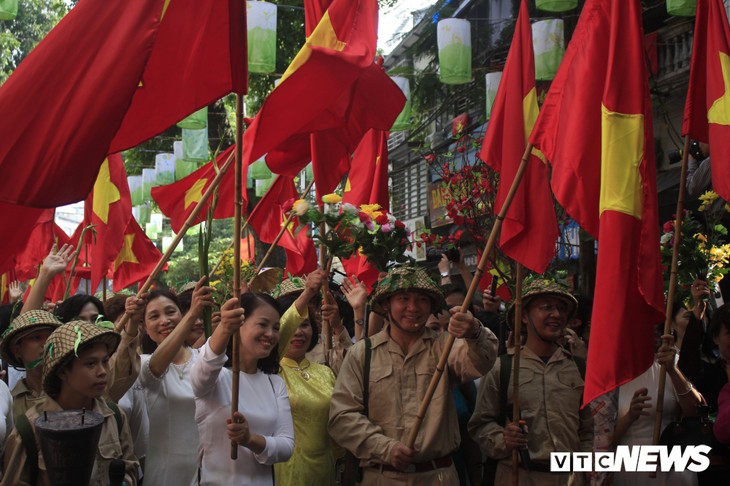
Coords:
pixel 114 307
pixel 720 319
pixel 250 302
pixel 70 308
pixel 676 307
pixel 286 301
pixel 184 301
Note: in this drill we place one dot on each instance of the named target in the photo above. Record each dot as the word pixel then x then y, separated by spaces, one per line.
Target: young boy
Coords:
pixel 75 374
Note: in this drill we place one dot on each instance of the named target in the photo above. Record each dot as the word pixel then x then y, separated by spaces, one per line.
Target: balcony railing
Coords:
pixel 674 51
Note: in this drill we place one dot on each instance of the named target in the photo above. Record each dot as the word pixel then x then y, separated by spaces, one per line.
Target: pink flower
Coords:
pixel 386 228
pixel 668 227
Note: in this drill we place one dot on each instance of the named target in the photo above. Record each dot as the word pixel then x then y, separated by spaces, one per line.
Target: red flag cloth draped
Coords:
pixel 39 245
pixel 268 217
pixel 530 228
pixel 81 78
pixel 367 183
pixel 16 227
pixel 136 259
pixel 177 200
pixel 707 109
pixel 332 89
pixel 198 57
pixel 595 127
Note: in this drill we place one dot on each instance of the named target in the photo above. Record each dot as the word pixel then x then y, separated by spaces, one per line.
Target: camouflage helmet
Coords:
pixel 540 287
pixel 26 323
pixel 402 279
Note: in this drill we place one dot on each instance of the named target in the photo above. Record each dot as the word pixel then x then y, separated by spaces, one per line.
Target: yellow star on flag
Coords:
pixel 195 193
pixel 719 112
pixel 126 255
pixel 348 185
pixel 289 227
pixel 105 193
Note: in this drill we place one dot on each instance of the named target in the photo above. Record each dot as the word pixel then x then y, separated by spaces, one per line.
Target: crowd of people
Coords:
pixel 340 407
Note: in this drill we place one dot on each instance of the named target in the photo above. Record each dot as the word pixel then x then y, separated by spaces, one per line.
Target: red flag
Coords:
pixel 16 226
pixel 530 227
pixel 332 89
pixel 178 200
pixel 81 78
pixel 268 217
pixel 707 109
pixel 41 241
pixel 198 57
pixel 596 129
pixel 367 183
pixel 137 258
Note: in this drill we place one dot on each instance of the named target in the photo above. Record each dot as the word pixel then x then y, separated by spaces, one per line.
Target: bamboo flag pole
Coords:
pixel 326 328
pixel 238 205
pixel 470 294
pixel 281 233
pixel 517 335
pixel 188 223
pixel 672 286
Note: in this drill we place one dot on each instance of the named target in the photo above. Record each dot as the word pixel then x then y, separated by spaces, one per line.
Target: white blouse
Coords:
pixel 264 402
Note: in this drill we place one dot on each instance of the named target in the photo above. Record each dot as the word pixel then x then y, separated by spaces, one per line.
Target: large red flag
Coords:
pixel 81 78
pixel 16 226
pixel 269 216
pixel 177 200
pixel 136 259
pixel 332 88
pixel 530 227
pixel 367 183
pixel 44 235
pixel 707 110
pixel 595 127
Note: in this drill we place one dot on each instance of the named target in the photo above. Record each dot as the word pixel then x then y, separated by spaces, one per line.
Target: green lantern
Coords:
pixel 556 5
pixel 453 37
pixel 195 121
pixel 142 213
pixel 262 185
pixel 195 145
pixel 8 9
pixel 261 23
pixel 164 169
pixel 491 82
pixel 260 171
pixel 682 8
pixel 403 122
pixel 548 42
pixel 135 189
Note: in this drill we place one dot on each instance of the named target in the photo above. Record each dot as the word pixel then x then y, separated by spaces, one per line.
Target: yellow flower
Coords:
pixel 331 198
pixel 372 210
pixel 700 237
pixel 707 199
pixel 300 207
pixel 727 207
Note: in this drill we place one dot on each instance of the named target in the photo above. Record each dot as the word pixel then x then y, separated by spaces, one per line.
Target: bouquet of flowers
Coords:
pixel 379 235
pixel 703 251
pixel 334 225
pixel 222 280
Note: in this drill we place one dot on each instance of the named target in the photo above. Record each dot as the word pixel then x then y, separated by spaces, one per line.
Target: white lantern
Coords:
pixel 453 37
pixel 403 122
pixel 165 169
pixel 491 82
pixel 548 42
pixel 261 23
pixel 135 189
pixel 148 181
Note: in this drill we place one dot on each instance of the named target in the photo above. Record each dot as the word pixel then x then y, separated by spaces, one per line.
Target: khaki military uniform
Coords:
pixel 124 367
pixel 550 399
pixel 336 355
pixel 398 383
pixel 24 398
pixel 111 446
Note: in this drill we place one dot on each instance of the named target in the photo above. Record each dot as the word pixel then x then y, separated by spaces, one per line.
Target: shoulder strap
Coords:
pixel 117 415
pixel 505 370
pixel 27 437
pixel 366 376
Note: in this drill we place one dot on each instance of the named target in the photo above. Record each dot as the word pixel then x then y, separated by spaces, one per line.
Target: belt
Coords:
pixel 419 467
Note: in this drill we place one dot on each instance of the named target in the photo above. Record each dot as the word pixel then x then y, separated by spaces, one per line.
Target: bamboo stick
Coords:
pixel 517 335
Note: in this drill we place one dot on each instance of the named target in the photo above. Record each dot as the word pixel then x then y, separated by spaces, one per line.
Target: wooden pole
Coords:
pixel 326 328
pixel 103 289
pixel 517 336
pixel 188 223
pixel 672 288
pixel 281 233
pixel 469 295
pixel 236 353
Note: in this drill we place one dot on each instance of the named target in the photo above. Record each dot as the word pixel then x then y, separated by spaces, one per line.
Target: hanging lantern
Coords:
pixel 682 8
pixel 262 185
pixel 556 5
pixel 8 9
pixel 165 169
pixel 150 230
pixel 195 145
pixel 195 121
pixel 135 189
pixel 548 42
pixel 454 45
pixel 491 81
pixel 156 220
pixel 260 171
pixel 143 212
pixel 403 122
pixel 261 22
pixel 148 181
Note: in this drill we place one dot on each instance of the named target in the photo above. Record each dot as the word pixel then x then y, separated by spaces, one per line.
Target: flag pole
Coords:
pixel 517 335
pixel 185 227
pixel 672 286
pixel 470 294
pixel 281 233
pixel 238 203
pixel 326 328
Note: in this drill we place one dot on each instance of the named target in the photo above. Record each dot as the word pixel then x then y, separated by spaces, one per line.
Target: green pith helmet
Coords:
pixel 63 344
pixel 543 288
pixel 26 323
pixel 403 279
